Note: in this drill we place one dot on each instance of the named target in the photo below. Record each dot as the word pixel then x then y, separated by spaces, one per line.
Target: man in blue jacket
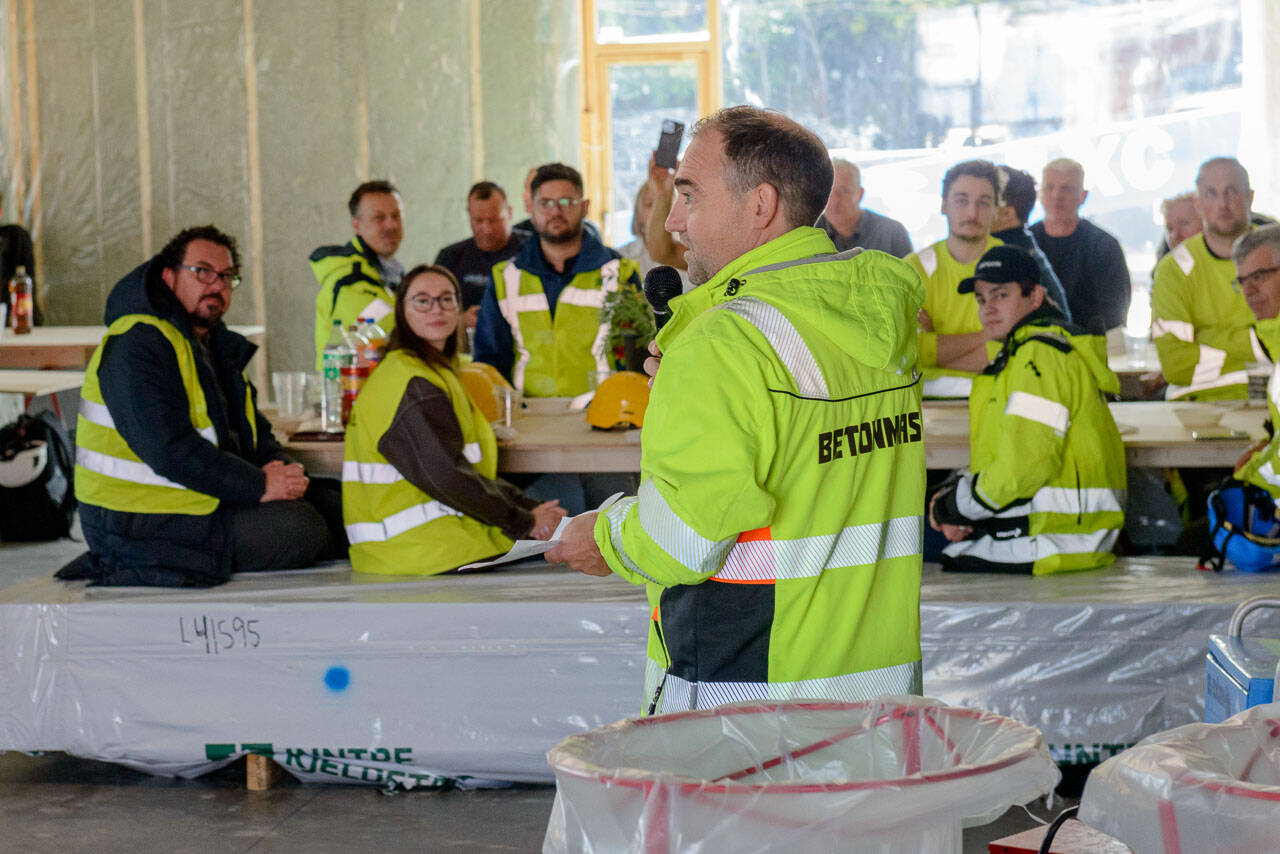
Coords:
pixel 179 480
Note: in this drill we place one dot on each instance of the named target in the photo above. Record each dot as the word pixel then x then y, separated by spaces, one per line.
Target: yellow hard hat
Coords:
pixel 484 383
pixel 620 401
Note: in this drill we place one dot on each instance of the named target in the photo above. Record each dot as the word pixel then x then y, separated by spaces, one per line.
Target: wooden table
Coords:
pixel 33 384
pixel 1153 436
pixel 551 439
pixel 51 347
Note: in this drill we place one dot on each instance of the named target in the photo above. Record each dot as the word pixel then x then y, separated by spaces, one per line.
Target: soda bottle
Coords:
pixel 353 373
pixel 21 302
pixel 377 342
pixel 337 354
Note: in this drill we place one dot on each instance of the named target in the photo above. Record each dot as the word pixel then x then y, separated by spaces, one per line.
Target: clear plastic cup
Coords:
pixel 290 389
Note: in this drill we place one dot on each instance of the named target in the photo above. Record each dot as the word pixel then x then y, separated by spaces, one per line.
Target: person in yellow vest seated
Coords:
pixel 420 494
pixel 1045 488
pixel 358 279
pixel 953 347
pixel 1256 257
pixel 540 322
pixel 179 480
pixel 1202 327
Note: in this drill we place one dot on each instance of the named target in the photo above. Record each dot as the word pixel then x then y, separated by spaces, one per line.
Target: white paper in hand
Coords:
pixel 522 549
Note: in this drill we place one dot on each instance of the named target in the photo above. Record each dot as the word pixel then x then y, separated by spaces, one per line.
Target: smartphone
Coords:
pixel 669 144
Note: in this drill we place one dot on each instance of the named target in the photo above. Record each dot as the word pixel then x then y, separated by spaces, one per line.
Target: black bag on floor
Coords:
pixel 37 501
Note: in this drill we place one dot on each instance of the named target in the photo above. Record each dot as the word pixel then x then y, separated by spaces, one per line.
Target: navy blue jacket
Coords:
pixel 143 389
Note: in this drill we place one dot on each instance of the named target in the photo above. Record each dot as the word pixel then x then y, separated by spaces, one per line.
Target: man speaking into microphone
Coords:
pixel 778 520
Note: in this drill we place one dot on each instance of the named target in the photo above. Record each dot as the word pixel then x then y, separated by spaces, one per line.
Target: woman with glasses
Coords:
pixel 420 494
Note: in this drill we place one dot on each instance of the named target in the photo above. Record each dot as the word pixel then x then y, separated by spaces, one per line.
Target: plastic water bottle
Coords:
pixel 337 354
pixel 21 302
pixel 377 342
pixel 354 373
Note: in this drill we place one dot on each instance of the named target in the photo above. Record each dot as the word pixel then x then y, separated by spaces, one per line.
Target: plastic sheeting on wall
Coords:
pixel 132 120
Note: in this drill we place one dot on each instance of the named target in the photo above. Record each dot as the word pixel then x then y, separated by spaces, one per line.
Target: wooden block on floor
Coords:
pixel 261 772
pixel 1073 837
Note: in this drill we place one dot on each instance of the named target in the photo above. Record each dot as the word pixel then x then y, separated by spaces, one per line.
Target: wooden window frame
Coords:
pixel 597 122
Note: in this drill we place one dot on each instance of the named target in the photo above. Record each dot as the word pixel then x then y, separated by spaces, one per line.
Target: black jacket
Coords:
pixel 143 389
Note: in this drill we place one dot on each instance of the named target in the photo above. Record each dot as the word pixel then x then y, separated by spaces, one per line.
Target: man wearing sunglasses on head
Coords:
pixel 179 480
pixel 540 322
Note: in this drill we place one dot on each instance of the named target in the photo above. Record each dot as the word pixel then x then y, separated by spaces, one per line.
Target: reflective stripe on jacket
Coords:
pixel 555 356
pixel 778 520
pixel 108 472
pixel 1202 327
pixel 350 279
pixel 1047 488
pixel 395 527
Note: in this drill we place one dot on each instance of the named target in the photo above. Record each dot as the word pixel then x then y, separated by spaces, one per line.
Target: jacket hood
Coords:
pixel 1091 348
pixel 142 291
pixel 870 317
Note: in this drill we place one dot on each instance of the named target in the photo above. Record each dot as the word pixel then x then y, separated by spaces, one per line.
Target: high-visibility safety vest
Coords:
pixel 351 287
pixel 1202 327
pixel 778 521
pixel 1047 463
pixel 1263 468
pixel 556 357
pixel 394 527
pixel 108 473
pixel 952 313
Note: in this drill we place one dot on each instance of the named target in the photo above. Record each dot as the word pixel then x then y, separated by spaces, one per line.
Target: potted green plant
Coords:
pixel 631 327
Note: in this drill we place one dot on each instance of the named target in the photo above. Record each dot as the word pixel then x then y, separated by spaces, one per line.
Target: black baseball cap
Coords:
pixel 1001 264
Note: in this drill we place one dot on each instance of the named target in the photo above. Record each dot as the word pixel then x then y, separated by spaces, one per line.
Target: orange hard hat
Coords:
pixel 620 401
pixel 485 385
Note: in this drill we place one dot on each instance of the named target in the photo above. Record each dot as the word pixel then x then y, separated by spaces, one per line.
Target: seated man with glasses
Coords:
pixel 179 480
pixel 1257 261
pixel 540 321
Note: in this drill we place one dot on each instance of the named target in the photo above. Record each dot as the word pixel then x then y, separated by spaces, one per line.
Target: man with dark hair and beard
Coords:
pixel 179 479
pixel 540 322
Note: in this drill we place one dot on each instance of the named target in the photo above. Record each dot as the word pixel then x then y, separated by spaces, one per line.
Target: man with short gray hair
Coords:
pixel 848 224
pixel 1087 260
pixel 1201 325
pixel 778 521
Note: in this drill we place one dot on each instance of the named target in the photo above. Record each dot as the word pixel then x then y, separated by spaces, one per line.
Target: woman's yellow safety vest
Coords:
pixel 394 527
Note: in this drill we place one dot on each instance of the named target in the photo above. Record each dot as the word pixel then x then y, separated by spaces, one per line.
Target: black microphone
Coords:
pixel 661 284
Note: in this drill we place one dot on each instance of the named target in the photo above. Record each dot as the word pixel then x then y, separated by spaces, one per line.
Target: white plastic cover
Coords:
pixel 1203 788
pixel 478 676
pixel 895 774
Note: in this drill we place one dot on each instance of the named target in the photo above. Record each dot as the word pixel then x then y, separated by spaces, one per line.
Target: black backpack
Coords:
pixel 37 500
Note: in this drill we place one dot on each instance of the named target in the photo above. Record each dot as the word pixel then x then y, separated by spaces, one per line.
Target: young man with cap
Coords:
pixel 1044 491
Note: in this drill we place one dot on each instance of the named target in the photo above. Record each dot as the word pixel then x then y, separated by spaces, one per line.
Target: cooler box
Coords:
pixel 1240 672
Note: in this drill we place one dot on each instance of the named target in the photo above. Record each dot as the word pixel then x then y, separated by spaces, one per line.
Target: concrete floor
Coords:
pixel 61 804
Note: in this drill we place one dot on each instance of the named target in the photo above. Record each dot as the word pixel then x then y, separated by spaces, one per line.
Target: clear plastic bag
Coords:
pixel 893 774
pixel 1200 788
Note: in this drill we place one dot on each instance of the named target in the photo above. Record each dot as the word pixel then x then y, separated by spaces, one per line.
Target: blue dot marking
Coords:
pixel 337 678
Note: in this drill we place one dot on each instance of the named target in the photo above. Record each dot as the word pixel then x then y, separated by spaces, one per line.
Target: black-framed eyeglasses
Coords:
pixel 207 276
pixel 1254 278
pixel 447 302
pixel 564 203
